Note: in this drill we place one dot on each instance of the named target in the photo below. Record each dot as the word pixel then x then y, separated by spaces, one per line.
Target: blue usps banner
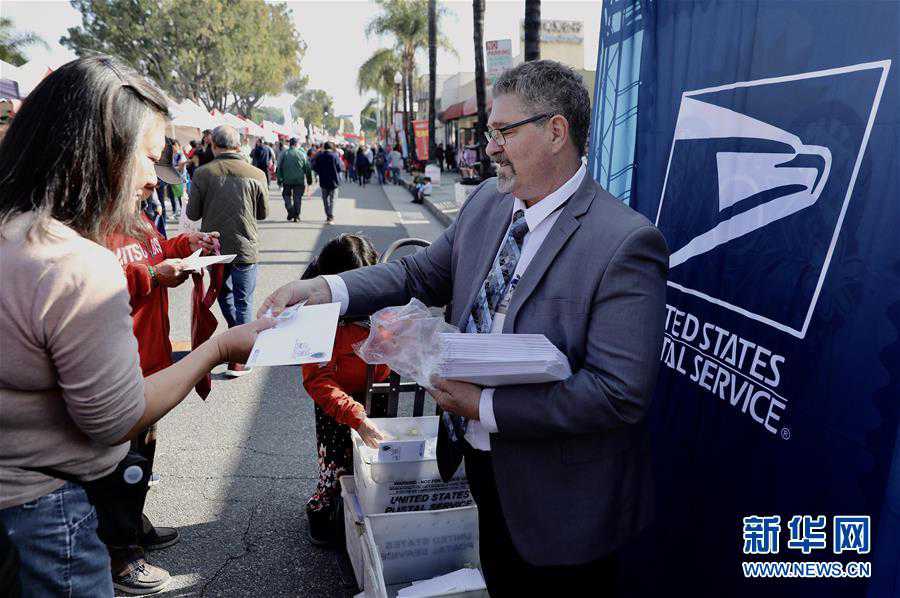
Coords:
pixel 763 141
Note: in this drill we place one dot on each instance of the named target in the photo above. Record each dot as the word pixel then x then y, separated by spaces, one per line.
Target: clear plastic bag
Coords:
pixel 408 339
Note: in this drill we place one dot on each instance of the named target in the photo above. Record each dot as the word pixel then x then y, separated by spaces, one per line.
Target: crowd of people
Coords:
pixel 87 370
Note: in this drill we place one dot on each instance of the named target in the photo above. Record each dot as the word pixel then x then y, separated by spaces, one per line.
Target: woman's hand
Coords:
pixel 170 274
pixel 370 433
pixel 235 343
pixel 204 241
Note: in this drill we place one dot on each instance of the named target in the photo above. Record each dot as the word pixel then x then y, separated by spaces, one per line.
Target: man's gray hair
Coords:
pixel 554 88
pixel 226 137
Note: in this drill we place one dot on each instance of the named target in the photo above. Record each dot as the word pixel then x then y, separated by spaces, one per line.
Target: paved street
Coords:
pixel 237 468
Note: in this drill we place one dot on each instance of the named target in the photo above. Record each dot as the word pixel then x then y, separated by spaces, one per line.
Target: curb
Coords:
pixel 439 214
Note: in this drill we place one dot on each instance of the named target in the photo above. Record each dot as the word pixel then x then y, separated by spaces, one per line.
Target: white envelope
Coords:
pixel 302 334
pixel 195 262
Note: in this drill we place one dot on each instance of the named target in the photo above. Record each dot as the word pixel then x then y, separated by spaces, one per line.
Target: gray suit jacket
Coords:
pixel 571 458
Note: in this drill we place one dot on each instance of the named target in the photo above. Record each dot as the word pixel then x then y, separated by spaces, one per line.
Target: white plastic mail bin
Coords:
pixel 425 427
pixel 400 548
pixel 354 527
pixel 398 487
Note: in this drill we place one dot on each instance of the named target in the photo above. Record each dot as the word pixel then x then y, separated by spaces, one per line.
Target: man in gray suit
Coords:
pixel 560 471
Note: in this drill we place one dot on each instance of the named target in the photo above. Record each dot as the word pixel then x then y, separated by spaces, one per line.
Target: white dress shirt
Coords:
pixel 540 218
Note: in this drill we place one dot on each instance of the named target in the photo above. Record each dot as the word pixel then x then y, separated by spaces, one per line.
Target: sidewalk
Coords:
pixel 442 202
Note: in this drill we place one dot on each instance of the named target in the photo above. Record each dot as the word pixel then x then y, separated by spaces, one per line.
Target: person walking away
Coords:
pixel 279 149
pixel 362 167
pixel 328 168
pixel 165 183
pixel 439 156
pixel 380 164
pixel 350 163
pixel 395 161
pixel 206 155
pixel 370 156
pixel 338 389
pixel 230 195
pixel 450 157
pixel 154 210
pixel 311 154
pixel 294 175
pixel 160 206
pixel 179 190
pixel 193 158
pixel 262 156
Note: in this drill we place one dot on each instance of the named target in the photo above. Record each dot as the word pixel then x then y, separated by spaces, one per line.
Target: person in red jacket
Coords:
pixel 338 389
pixel 152 265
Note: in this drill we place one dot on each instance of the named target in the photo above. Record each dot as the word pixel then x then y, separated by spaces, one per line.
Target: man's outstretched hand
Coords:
pixel 315 291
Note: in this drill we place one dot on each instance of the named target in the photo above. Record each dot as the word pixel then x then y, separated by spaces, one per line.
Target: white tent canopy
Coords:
pixel 189 114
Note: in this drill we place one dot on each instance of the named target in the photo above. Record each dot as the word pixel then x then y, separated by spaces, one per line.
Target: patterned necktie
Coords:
pixel 492 292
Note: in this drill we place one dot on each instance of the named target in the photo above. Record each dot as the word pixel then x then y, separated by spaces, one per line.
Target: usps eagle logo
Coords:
pixel 758 182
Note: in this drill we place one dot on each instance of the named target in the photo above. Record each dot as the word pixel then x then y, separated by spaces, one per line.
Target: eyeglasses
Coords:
pixel 496 135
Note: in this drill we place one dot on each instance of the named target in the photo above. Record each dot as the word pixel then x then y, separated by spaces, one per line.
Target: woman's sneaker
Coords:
pixel 140 578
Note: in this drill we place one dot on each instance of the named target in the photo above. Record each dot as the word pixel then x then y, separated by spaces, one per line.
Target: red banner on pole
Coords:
pixel 420 128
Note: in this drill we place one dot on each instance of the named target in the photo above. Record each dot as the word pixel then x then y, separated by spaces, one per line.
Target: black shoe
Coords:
pixel 157 538
pixel 140 578
pixel 320 529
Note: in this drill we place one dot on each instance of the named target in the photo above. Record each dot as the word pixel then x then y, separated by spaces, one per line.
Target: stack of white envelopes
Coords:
pixel 501 359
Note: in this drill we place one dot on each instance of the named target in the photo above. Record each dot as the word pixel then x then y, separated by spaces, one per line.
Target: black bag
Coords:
pixel 118 498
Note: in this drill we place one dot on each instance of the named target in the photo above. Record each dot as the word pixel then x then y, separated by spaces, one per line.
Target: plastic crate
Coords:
pixel 354 527
pixel 399 548
pixel 423 469
pixel 405 486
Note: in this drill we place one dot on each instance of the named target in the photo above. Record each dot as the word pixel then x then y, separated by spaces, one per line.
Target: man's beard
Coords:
pixel 505 183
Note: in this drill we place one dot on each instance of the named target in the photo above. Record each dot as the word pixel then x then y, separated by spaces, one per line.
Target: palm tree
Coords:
pixel 13 43
pixel 432 75
pixel 377 75
pixel 532 30
pixel 407 21
pixel 368 119
pixel 481 127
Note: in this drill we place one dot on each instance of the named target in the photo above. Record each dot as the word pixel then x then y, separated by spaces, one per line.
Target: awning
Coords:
pixel 452 112
pixel 471 106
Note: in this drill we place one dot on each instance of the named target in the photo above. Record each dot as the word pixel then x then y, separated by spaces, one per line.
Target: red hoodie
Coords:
pixel 149 303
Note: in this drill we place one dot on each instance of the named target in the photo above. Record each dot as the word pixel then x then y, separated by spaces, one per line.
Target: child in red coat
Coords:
pixel 338 389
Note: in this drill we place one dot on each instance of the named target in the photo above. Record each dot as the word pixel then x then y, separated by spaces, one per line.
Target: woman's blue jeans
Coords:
pixel 60 553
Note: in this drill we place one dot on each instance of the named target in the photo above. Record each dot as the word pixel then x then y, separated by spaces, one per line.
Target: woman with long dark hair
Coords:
pixel 77 158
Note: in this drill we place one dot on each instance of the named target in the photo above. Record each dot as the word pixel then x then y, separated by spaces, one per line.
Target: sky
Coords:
pixel 334 31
